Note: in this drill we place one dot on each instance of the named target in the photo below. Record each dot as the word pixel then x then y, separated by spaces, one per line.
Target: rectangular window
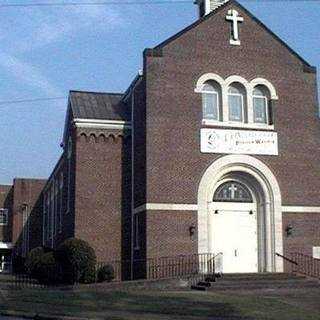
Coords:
pixel 316 252
pixel 260 109
pixel 51 212
pixel 61 201
pixel 236 107
pixel 136 231
pixel 48 217
pixel 210 103
pixel 3 217
pixel 69 155
pixel 25 230
pixel 44 232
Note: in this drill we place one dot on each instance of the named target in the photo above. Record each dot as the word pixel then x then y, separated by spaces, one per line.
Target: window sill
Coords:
pixel 214 123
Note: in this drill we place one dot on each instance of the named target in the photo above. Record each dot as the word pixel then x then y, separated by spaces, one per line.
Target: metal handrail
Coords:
pixel 214 257
pixel 287 259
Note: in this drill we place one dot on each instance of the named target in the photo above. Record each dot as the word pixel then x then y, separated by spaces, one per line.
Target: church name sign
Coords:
pixel 239 142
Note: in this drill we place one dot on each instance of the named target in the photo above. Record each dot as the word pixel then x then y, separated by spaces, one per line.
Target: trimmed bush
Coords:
pixel 48 269
pixel 78 261
pixel 105 273
pixel 42 265
pixel 33 260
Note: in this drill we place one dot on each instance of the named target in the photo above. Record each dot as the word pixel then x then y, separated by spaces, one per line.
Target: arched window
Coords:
pixel 232 191
pixel 211 95
pixel 236 102
pixel 261 98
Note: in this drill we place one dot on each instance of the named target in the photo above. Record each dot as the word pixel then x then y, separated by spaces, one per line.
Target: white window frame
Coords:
pixel 216 94
pixel 5 213
pixel 266 100
pixel 247 104
pixel 242 107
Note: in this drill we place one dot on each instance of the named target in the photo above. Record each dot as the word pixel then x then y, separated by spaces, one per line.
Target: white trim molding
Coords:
pixel 300 209
pixel 102 124
pixel 166 207
pixel 194 207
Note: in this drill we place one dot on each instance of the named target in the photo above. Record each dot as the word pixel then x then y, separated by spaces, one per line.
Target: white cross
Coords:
pixel 233 190
pixel 233 16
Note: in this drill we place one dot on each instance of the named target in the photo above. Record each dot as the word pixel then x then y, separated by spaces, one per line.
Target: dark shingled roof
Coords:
pixel 101 106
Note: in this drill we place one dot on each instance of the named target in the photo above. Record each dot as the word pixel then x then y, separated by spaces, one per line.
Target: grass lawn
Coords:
pixel 151 305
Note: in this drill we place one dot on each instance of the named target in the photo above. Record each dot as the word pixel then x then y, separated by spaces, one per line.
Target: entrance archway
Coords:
pixel 255 213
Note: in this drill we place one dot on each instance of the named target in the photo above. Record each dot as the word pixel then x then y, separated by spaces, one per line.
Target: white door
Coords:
pixel 234 234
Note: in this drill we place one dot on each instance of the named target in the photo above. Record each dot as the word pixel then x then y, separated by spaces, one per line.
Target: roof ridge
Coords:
pixel 98 92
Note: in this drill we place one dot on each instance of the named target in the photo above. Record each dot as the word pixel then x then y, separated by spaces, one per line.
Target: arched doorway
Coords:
pixel 239 215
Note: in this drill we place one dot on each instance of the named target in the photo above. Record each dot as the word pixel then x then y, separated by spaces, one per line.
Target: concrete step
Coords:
pixel 259 278
pixel 198 288
pixel 256 281
pixel 204 284
pixel 254 276
pixel 264 285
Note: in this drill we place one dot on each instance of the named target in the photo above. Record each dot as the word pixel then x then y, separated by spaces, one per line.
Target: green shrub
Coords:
pixel 105 273
pixel 78 261
pixel 48 270
pixel 42 265
pixel 33 260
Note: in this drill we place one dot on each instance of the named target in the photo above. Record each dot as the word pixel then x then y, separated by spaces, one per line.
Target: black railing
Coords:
pixel 306 265
pixel 293 262
pixel 180 266
pixel 194 267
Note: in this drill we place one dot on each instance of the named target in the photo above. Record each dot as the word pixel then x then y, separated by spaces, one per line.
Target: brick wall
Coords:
pixel 6 202
pixel 168 233
pixel 305 232
pixel 102 191
pixel 27 192
pixel 174 163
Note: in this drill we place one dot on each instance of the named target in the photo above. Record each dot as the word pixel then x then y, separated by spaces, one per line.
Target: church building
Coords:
pixel 213 148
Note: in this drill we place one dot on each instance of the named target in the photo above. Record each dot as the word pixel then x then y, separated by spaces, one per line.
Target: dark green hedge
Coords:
pixel 105 273
pixel 41 264
pixel 77 260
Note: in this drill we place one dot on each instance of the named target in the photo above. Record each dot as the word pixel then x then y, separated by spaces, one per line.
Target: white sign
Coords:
pixel 239 142
pixel 233 16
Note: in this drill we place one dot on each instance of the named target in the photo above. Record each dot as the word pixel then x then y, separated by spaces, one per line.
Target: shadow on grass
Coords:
pixel 173 305
pixel 151 304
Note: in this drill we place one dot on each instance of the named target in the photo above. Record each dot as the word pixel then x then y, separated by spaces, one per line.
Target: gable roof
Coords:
pixel 98 105
pixel 221 7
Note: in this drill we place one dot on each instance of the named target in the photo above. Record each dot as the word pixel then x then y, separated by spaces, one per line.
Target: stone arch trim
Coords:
pixel 209 76
pixel 272 194
pixel 261 81
pixel 243 81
